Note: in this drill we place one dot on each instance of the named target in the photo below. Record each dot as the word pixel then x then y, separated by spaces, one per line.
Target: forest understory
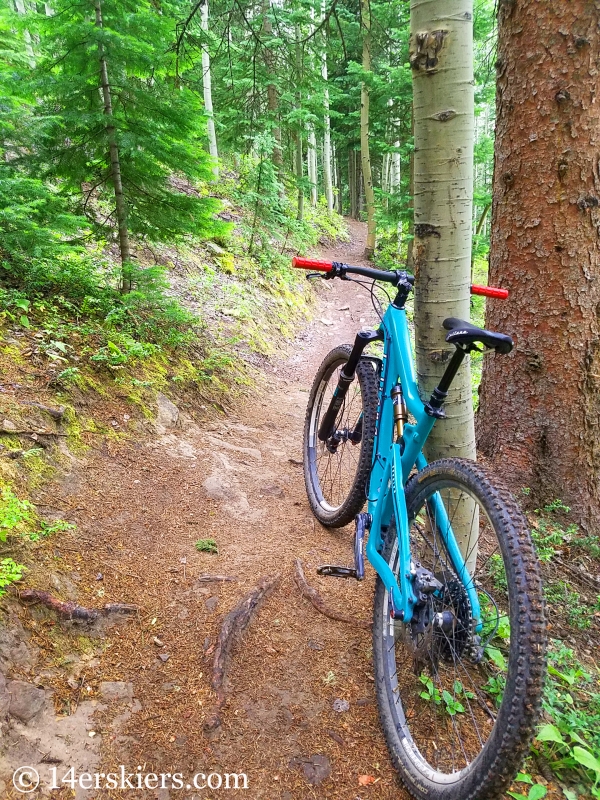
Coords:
pixel 182 518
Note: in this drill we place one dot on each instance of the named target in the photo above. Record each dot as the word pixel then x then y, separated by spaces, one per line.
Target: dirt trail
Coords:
pixel 140 509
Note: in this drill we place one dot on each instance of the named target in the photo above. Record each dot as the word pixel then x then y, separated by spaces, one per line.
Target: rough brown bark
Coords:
pixel 539 414
pixel 71 611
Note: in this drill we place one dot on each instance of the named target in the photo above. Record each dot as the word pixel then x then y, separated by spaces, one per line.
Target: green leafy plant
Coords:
pixel 10 572
pixel 536 792
pixel 49 528
pixel 15 514
pixel 206 546
pixel 570 741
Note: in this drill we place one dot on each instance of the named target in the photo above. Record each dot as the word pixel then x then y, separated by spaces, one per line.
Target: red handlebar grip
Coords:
pixel 312 263
pixel 490 291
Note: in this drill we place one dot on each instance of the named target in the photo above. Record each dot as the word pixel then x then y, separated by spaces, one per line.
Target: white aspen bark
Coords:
pixel 441 57
pixel 395 168
pixel 327 179
pixel 312 164
pixel 385 172
pixel 206 85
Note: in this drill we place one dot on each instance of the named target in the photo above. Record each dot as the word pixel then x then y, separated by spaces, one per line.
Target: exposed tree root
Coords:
pixel 70 610
pixel 233 625
pixel 320 604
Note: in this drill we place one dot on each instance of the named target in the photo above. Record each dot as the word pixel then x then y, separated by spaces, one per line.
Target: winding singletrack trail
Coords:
pixel 239 481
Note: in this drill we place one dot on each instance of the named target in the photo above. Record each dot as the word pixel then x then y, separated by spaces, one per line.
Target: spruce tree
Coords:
pixel 117 130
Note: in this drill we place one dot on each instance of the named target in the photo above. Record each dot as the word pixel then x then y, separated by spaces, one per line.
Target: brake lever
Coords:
pixel 312 275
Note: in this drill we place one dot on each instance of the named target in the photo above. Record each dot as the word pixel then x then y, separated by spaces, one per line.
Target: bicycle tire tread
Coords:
pixel 502 755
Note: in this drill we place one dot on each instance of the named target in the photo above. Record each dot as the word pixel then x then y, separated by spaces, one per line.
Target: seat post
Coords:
pixel 438 397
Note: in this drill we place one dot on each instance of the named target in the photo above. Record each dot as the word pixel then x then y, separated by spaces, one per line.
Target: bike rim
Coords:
pixel 445 704
pixel 333 474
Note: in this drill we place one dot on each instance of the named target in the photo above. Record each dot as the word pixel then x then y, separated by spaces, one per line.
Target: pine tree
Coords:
pixel 132 151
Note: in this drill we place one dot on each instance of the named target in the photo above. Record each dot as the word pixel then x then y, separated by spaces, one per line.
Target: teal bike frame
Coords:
pixel 392 464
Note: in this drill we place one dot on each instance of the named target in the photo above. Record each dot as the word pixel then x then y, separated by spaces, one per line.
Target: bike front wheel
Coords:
pixel 458 702
pixel 336 471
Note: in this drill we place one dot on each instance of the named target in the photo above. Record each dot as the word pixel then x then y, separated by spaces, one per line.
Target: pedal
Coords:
pixel 362 523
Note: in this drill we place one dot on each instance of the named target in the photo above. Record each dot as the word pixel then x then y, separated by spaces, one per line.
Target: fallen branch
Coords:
pixel 320 604
pixel 70 610
pixel 581 576
pixel 214 578
pixel 233 625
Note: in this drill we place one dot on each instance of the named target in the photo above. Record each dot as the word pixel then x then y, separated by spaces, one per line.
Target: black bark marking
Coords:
pixel 444 116
pixel 425 48
pixel 424 229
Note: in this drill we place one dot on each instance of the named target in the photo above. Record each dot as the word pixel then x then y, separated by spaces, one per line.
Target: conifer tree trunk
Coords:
pixel 208 104
pixel 327 179
pixel 441 57
pixel 364 130
pixel 115 164
pixel 272 100
pixel 539 412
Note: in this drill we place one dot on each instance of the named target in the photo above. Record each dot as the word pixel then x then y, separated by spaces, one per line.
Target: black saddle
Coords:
pixel 464 333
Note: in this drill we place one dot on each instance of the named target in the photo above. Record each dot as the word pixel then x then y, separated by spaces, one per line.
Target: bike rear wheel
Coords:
pixel 458 707
pixel 336 471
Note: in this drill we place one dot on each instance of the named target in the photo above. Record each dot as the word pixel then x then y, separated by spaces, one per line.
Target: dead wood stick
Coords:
pixel 214 578
pixel 70 610
pixel 233 625
pixel 582 576
pixel 320 604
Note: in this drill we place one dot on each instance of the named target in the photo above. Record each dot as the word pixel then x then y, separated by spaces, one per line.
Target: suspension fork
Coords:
pixel 363 338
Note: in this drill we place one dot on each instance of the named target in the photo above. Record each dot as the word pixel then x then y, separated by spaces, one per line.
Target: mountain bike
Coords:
pixel 458 625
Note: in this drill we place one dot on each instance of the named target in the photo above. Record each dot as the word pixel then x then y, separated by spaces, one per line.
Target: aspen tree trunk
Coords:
pixel 206 85
pixel 385 172
pixel 539 412
pixel 115 164
pixel 441 57
pixel 364 130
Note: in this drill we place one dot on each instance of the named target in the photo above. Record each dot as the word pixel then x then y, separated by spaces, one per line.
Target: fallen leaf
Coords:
pixel 365 780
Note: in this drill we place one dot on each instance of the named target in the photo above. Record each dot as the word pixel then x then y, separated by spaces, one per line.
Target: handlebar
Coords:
pixel 336 269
